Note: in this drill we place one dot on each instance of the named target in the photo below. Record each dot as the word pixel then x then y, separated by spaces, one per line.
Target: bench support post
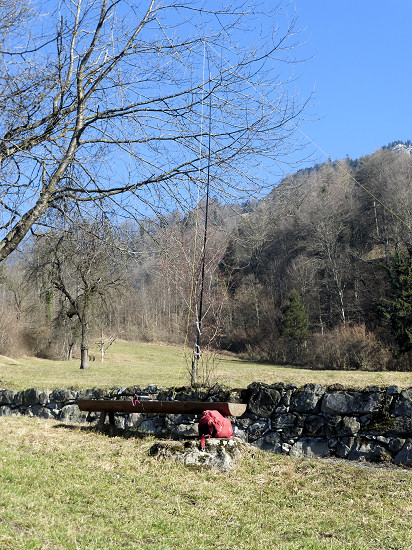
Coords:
pixel 102 419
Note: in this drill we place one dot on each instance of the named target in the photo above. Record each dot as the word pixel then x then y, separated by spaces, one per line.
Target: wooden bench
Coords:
pixel 110 407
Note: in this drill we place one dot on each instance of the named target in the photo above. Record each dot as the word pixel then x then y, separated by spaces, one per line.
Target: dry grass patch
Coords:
pixel 66 487
pixel 129 363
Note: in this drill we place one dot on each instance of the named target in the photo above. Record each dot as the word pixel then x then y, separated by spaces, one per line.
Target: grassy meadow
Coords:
pixel 129 363
pixel 67 486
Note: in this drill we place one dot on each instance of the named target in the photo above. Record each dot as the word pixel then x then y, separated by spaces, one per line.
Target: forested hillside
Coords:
pixel 317 273
pixel 338 234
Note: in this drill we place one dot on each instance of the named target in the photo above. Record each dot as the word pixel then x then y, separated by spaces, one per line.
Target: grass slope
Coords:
pixel 128 363
pixel 64 487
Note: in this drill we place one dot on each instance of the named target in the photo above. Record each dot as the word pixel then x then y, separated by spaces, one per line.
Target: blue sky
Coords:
pixel 360 73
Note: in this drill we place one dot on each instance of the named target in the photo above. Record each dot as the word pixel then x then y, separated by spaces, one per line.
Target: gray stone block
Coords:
pixel 185 430
pixel 63 396
pixel 396 444
pixel 119 421
pixel 315 426
pixel 219 454
pixel 283 421
pixel 8 411
pixel 72 413
pixel 35 396
pixel 7 397
pixel 257 428
pixel 368 450
pixel 286 397
pixel 344 447
pixel 308 447
pixel 307 399
pixel 238 432
pixel 41 412
pixel 244 423
pixel 401 425
pixel 286 448
pixel 402 405
pixel 404 457
pixel 332 425
pixel 18 399
pixel 149 427
pixel 348 426
pixel 271 442
pixel 354 403
pixel 263 401
pixel 173 419
pixel 289 425
pixel 133 420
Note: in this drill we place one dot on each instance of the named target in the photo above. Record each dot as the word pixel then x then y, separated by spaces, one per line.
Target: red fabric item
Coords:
pixel 214 424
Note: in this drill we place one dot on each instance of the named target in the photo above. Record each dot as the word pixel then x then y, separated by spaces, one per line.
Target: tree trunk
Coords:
pixel 70 352
pixel 102 347
pixel 84 347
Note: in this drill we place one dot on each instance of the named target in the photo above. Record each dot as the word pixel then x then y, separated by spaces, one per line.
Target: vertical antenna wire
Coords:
pixel 192 282
pixel 197 350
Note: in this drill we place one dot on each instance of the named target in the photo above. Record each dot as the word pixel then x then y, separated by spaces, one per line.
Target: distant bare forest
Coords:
pixel 319 273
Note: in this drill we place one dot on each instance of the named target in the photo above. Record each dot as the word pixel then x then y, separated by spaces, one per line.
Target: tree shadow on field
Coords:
pixel 112 431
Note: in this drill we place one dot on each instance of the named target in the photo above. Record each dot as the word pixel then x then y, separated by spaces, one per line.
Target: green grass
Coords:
pixel 128 363
pixel 66 487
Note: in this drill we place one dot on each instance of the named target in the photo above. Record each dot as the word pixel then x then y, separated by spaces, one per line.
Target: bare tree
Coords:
pixel 86 264
pixel 106 101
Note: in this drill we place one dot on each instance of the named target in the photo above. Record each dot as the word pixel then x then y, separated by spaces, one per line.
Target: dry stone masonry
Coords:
pixel 373 424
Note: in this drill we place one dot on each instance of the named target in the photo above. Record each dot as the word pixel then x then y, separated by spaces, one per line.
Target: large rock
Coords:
pixel 402 425
pixel 8 411
pixel 342 426
pixel 287 394
pixel 371 451
pixel 395 444
pixel 257 429
pixel 344 447
pixel 150 426
pixel 307 400
pixel 185 430
pixel 308 447
pixel 63 396
pixel 133 420
pixel 402 405
pixel 7 397
pixel 351 403
pixel 91 393
pixel 72 413
pixel 289 425
pixel 282 421
pixel 315 426
pixel 238 432
pixel 41 412
pixel 404 457
pixel 271 442
pixel 263 401
pixel 219 454
pixel 34 396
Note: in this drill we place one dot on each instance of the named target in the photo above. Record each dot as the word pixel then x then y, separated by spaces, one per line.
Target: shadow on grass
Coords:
pixel 112 431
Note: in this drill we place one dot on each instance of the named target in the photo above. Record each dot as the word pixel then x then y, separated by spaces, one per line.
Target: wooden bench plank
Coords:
pixel 161 407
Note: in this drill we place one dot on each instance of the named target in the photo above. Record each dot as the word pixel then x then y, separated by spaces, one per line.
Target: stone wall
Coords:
pixel 373 424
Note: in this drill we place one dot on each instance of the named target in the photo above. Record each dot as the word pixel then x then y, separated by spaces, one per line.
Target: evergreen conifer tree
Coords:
pixel 295 324
pixel 397 311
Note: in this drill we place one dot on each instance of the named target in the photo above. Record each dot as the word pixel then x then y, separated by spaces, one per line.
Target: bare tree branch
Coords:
pixel 111 102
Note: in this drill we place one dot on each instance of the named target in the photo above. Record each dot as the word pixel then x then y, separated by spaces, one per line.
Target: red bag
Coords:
pixel 214 424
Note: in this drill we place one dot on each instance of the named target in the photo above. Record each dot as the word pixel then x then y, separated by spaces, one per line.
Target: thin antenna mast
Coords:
pixel 198 351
